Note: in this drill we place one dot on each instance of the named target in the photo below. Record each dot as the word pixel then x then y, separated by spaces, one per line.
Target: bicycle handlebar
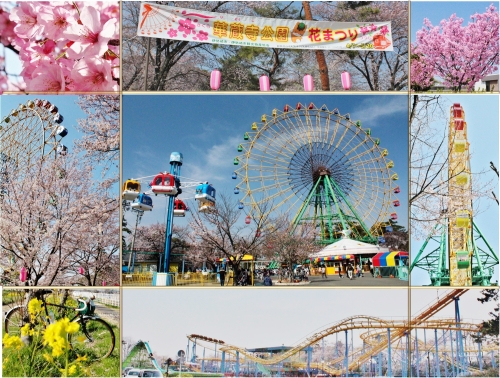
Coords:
pixel 84 305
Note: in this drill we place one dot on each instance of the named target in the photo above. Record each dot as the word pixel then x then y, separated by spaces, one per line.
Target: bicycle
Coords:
pixel 95 338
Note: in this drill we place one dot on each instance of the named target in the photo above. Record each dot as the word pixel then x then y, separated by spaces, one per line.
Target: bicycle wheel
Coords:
pixel 15 319
pixel 95 339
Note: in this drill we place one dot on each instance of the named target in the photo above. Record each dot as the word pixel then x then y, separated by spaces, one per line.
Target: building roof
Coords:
pixel 350 246
pixel 490 77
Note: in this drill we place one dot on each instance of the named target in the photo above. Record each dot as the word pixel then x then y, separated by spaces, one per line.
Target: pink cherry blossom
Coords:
pixel 172 33
pixel 460 55
pixel 6 27
pixel 364 29
pixel 202 36
pixel 93 74
pixel 47 78
pixel 186 26
pixel 373 27
pixel 56 20
pixel 91 37
pixel 26 17
pixel 384 30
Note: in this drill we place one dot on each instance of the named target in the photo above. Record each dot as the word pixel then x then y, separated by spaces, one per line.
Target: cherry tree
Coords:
pixel 421 72
pixel 460 55
pixel 101 130
pixel 55 220
pixel 63 46
pixel 221 233
pixel 429 157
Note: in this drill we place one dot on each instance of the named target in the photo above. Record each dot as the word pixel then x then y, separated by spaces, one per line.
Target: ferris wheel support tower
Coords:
pixel 458 260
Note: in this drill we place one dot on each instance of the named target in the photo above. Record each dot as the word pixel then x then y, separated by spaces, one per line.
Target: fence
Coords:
pixel 175 279
pixel 104 298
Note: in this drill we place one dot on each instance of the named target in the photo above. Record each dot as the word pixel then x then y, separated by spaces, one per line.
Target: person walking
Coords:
pixel 222 274
pixel 323 271
pixel 350 271
pixel 340 270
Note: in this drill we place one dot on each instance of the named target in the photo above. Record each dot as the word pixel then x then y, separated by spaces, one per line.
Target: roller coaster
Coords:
pixel 389 348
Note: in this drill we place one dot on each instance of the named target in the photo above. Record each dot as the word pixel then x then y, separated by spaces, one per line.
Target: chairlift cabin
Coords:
pixel 165 183
pixel 180 208
pixel 131 189
pixel 142 202
pixel 205 193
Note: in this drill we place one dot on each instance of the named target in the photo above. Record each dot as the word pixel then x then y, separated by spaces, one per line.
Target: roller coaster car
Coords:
pixel 131 189
pixel 143 202
pixel 180 208
pixel 165 183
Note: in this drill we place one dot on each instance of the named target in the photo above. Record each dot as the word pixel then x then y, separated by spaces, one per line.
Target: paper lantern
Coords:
pixel 215 80
pixel 308 83
pixel 103 283
pixel 264 83
pixel 81 270
pixel 346 80
pixel 23 274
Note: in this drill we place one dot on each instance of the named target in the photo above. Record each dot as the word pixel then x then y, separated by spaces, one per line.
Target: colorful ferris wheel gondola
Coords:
pixel 142 202
pixel 131 189
pixel 165 183
pixel 205 195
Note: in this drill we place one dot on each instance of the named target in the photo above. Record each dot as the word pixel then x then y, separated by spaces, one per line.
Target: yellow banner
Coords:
pixel 162 21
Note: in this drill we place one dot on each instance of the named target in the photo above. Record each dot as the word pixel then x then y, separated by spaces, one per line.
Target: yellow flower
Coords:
pixel 35 307
pixel 81 358
pixel 25 330
pixel 48 357
pixel 11 342
pixel 56 335
pixel 71 371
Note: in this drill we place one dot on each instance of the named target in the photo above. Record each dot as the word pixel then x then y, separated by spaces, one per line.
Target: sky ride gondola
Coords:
pixel 131 189
pixel 180 208
pixel 205 193
pixel 165 183
pixel 142 202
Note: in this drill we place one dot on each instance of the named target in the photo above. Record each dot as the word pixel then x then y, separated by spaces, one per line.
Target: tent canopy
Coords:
pixel 346 249
pixel 386 259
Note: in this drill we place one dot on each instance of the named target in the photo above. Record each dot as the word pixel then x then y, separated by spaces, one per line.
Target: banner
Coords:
pixel 162 21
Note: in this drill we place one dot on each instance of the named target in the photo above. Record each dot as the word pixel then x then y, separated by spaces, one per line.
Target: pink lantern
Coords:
pixel 264 83
pixel 23 274
pixel 103 283
pixel 346 80
pixel 308 83
pixel 215 80
pixel 81 270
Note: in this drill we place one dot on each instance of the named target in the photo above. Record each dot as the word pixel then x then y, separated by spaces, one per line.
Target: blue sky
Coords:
pixel 436 11
pixel 268 316
pixel 208 128
pixel 481 114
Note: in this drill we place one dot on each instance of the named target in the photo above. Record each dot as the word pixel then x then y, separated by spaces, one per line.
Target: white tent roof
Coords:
pixel 349 246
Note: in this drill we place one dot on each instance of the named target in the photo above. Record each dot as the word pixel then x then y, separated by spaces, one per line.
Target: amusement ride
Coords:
pixel 29 134
pixel 167 184
pixel 462 256
pixel 423 346
pixel 323 166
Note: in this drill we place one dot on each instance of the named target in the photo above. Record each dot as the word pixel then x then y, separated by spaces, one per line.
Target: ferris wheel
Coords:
pixel 322 167
pixel 30 133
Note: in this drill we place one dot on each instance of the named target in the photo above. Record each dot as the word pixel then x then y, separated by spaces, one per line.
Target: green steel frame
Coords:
pixel 435 261
pixel 333 213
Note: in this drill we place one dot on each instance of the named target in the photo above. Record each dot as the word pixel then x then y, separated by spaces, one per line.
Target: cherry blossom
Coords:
pixel 91 37
pixel 47 77
pixel 93 74
pixel 460 55
pixel 77 42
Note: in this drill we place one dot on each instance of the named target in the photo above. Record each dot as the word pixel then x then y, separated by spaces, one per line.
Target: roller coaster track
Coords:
pixel 398 330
